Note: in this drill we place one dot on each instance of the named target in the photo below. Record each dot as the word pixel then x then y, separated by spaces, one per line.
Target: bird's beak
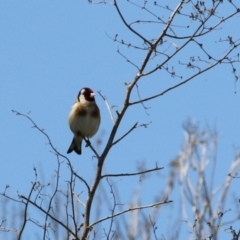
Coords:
pixel 92 95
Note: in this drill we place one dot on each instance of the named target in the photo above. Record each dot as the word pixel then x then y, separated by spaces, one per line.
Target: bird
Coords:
pixel 84 119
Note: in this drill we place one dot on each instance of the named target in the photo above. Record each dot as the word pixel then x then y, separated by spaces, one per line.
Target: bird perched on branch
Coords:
pixel 84 119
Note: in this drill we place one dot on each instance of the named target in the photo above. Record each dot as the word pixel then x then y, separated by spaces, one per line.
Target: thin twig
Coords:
pixel 113 209
pixel 129 210
pixel 187 80
pixel 52 217
pixel 50 143
pixel 52 197
pixel 132 174
pixel 83 180
pixel 108 107
pixel 25 212
pixel 130 130
pixel 129 61
pixel 128 26
pixel 153 227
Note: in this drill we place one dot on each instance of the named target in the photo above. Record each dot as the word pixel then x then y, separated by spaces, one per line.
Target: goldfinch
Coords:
pixel 84 119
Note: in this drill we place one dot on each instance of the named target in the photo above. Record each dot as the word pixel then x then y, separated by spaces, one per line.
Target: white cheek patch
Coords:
pixel 82 99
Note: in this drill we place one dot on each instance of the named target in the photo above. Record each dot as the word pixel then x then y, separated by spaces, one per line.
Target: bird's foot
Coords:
pixel 88 143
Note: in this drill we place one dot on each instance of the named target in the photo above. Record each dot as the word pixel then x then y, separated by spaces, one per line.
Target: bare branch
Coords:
pixel 188 79
pixel 83 180
pixel 48 214
pixel 130 130
pixel 132 174
pixel 145 108
pixel 108 107
pixel 131 209
pixel 129 61
pixel 54 149
pixel 25 212
pixel 128 26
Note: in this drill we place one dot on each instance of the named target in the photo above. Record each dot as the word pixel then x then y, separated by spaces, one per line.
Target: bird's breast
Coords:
pixel 84 119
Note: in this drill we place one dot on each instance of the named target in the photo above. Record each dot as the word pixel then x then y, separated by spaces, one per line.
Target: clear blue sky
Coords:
pixel 51 49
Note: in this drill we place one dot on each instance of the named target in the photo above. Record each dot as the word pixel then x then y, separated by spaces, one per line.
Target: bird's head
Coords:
pixel 86 95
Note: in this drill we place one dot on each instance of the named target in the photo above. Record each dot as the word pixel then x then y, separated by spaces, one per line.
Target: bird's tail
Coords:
pixel 75 146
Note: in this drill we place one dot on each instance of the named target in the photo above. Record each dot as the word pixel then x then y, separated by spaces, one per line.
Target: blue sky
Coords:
pixel 51 49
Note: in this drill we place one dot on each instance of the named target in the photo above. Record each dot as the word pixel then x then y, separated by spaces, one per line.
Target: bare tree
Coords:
pixel 162 45
pixel 195 170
